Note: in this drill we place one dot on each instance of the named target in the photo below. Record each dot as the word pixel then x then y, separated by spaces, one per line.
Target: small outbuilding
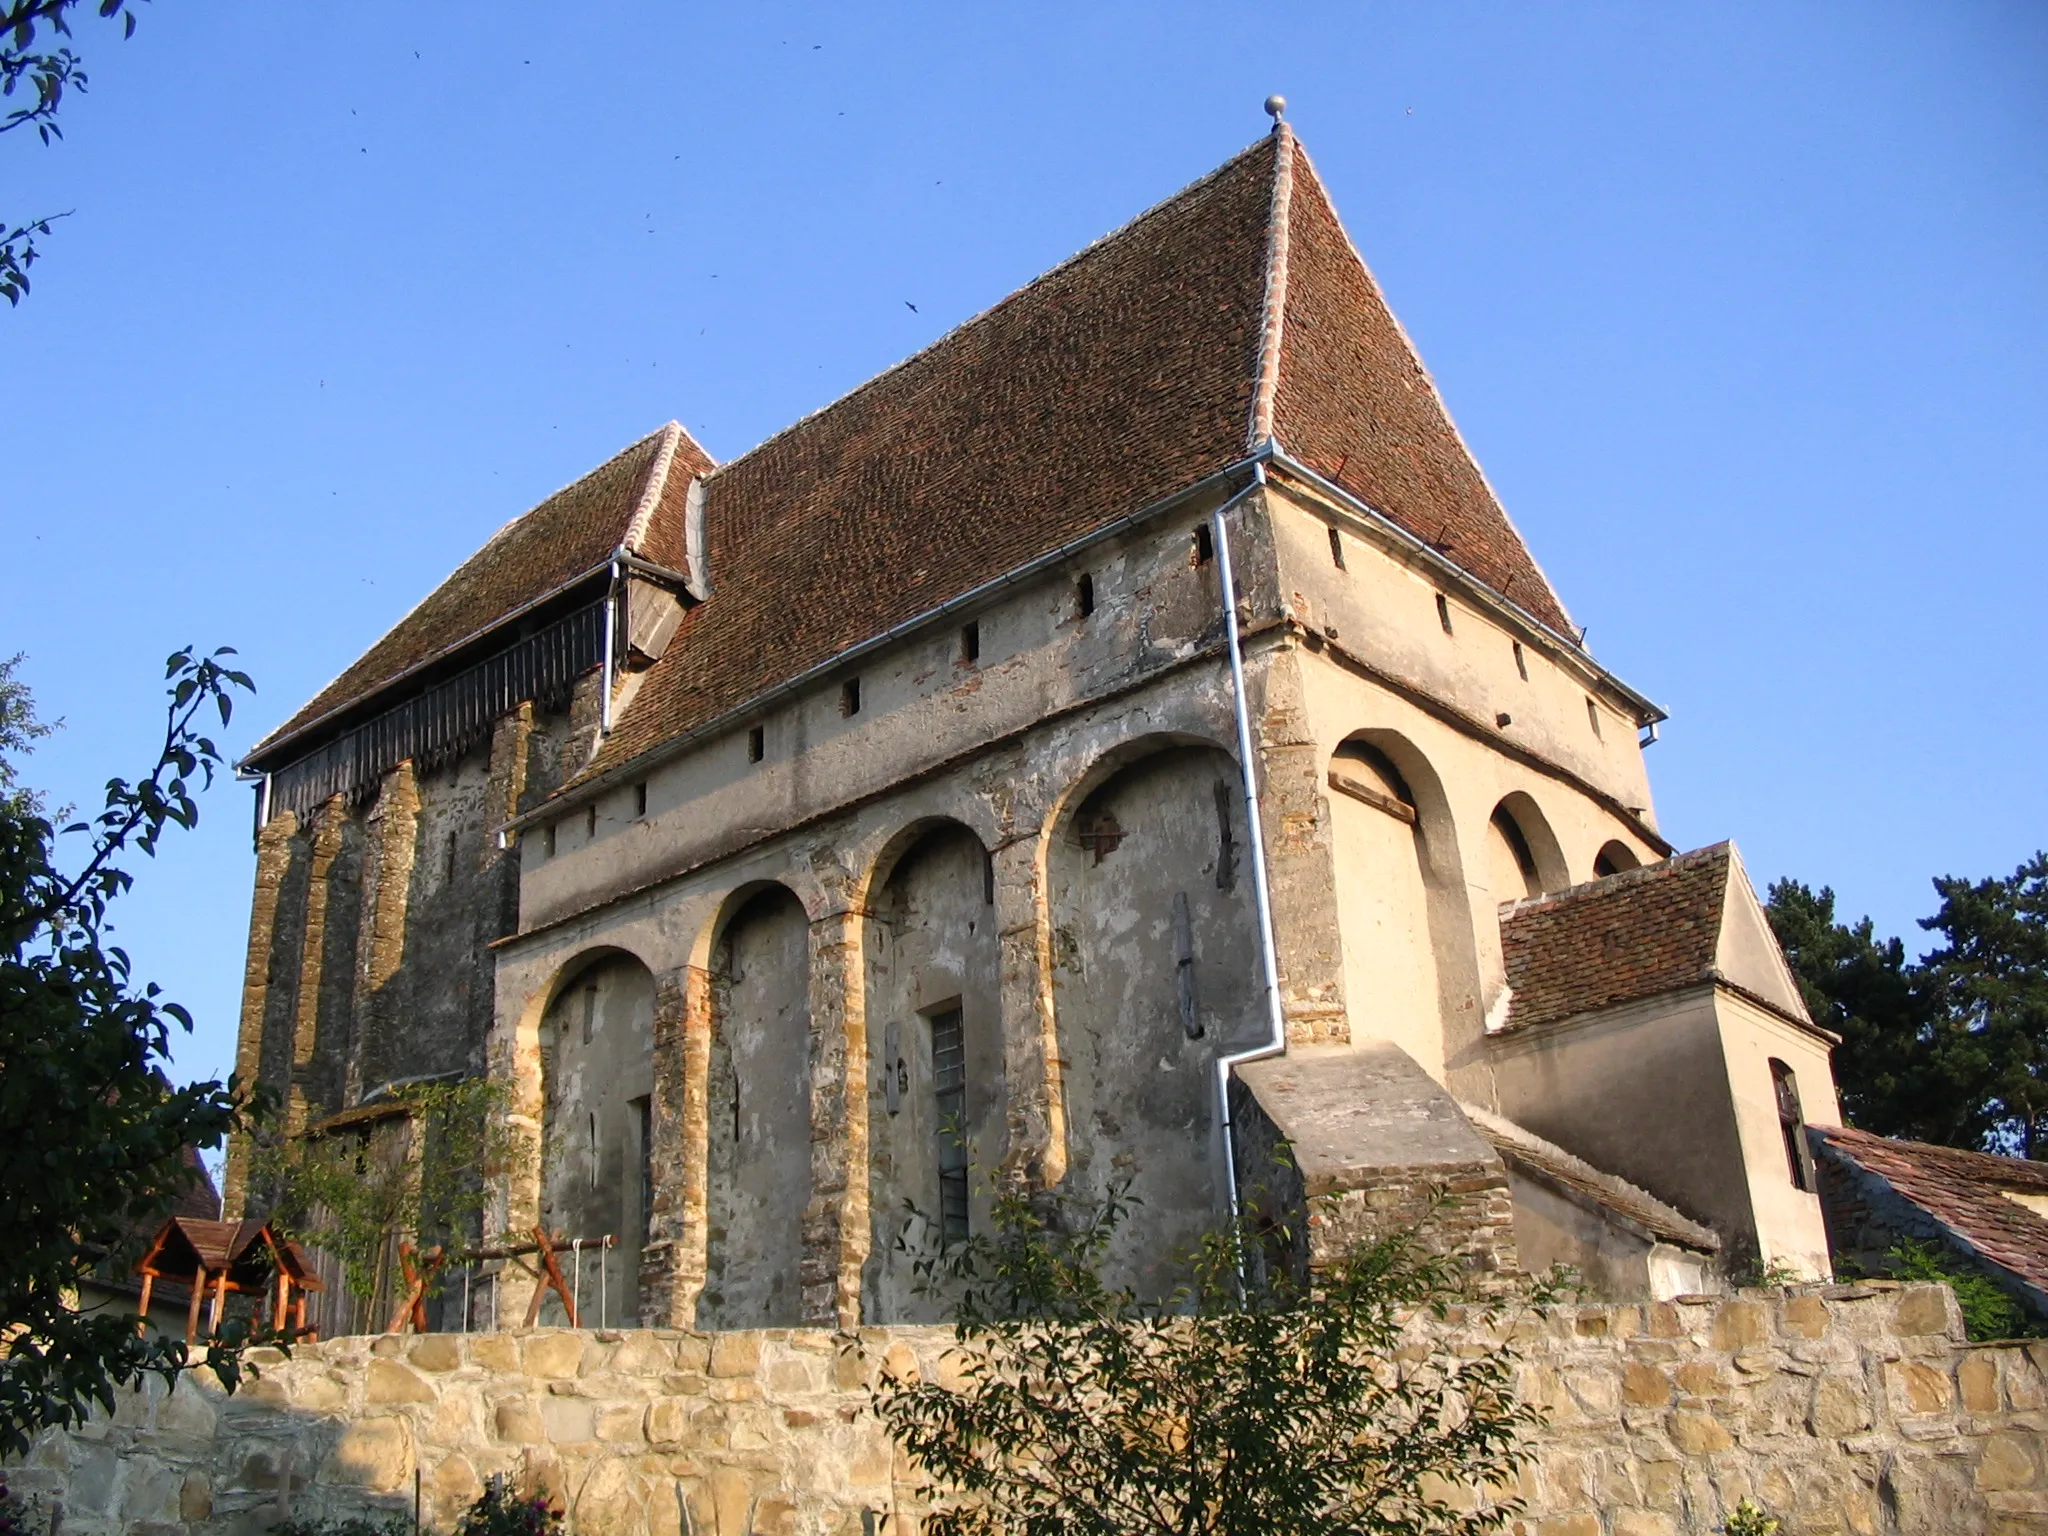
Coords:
pixel 229 1258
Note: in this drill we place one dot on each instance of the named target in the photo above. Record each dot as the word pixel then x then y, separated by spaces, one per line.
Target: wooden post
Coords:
pixel 299 1319
pixel 192 1313
pixel 552 1281
pixel 220 1301
pixel 142 1322
pixel 284 1298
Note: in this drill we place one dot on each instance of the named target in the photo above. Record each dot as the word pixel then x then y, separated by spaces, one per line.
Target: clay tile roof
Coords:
pixel 1962 1191
pixel 1574 1177
pixel 1634 935
pixel 1356 404
pixel 1126 374
pixel 635 499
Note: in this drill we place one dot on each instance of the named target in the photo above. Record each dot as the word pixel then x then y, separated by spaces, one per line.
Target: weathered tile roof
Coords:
pixel 1529 1153
pixel 1634 935
pixel 1962 1191
pixel 565 537
pixel 1118 378
pixel 1236 310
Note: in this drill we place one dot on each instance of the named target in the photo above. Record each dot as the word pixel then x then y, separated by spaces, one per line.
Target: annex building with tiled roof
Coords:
pixel 1125 736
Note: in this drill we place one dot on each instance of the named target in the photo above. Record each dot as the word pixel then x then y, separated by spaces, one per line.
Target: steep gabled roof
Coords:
pixel 1964 1191
pixel 1235 311
pixel 634 499
pixel 1690 919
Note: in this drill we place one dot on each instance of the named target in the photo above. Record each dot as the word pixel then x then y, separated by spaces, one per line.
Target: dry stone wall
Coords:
pixel 1847 1410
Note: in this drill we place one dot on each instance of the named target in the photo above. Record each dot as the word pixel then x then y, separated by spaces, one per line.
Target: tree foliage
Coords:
pixel 423 1176
pixel 1277 1405
pixel 92 1132
pixel 1952 1048
pixel 37 68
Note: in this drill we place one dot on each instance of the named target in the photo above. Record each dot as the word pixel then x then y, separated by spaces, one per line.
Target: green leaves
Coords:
pixel 1954 1048
pixel 93 1136
pixel 1284 1405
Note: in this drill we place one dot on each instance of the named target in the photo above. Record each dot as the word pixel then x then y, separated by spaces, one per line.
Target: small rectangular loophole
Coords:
pixel 1521 662
pixel 590 820
pixel 1205 546
pixel 849 696
pixel 757 744
pixel 640 798
pixel 1337 549
pixel 547 841
pixel 970 643
pixel 1084 596
pixel 1443 612
pixel 1593 716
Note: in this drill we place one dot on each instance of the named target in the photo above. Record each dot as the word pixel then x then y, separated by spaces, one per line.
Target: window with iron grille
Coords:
pixel 949 1088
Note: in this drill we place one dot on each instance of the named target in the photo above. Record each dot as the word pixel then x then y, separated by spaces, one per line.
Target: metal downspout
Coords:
pixel 611 640
pixel 1276 1043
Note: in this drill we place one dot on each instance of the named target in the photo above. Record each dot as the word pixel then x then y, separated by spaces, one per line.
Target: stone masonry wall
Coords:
pixel 1851 1409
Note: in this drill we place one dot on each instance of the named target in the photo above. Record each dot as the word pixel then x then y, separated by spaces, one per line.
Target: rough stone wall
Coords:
pixel 1852 1410
pixel 368 959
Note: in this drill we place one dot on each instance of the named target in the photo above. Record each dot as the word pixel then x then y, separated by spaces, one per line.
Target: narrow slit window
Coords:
pixel 949 1092
pixel 988 878
pixel 1443 612
pixel 640 798
pixel 590 820
pixel 849 696
pixel 451 856
pixel 592 1164
pixel 643 1121
pixel 1205 545
pixel 1791 1125
pixel 1337 549
pixel 547 841
pixel 1593 716
pixel 757 744
pixel 970 643
pixel 1084 596
pixel 1521 662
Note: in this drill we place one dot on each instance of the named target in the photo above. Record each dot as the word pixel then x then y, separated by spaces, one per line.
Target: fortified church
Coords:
pixel 1124 737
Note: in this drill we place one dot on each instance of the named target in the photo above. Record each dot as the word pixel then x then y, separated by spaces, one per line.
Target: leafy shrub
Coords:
pixel 1989 1312
pixel 350 1525
pixel 1749 1519
pixel 501 1512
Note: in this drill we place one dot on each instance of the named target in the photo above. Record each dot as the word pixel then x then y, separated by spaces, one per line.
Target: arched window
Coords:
pixel 1513 864
pixel 1791 1125
pixel 1614 857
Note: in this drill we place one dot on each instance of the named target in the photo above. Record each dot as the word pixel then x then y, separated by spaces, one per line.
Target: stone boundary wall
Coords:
pixel 1852 1409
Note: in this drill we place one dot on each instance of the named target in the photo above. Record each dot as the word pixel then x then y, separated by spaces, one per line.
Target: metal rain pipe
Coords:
pixel 611 637
pixel 1276 1043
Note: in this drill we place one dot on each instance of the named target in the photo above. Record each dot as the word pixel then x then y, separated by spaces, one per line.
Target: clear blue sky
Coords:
pixel 1742 306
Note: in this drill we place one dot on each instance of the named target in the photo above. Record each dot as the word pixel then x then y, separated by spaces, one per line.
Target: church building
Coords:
pixel 1121 739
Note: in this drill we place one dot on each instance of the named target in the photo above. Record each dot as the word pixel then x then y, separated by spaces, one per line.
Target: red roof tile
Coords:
pixel 1634 935
pixel 1961 1190
pixel 1356 404
pixel 566 536
pixel 1117 379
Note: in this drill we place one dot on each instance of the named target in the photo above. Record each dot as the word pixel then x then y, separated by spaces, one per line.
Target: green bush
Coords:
pixel 1989 1312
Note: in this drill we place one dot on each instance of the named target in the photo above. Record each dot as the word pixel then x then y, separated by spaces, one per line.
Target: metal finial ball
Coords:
pixel 1276 107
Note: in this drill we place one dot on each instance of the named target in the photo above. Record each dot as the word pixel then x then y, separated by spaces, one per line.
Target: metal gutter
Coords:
pixel 1262 897
pixel 1470 586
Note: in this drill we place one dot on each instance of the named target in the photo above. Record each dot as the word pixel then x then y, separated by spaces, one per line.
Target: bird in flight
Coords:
pixel 910 306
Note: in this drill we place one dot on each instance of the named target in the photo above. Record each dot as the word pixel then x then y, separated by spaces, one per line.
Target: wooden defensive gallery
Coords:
pixel 838 831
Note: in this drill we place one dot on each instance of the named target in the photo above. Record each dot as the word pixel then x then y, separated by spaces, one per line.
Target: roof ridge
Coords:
pixel 1273 320
pixel 1092 248
pixel 651 488
pixel 1442 404
pixel 1998 1160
